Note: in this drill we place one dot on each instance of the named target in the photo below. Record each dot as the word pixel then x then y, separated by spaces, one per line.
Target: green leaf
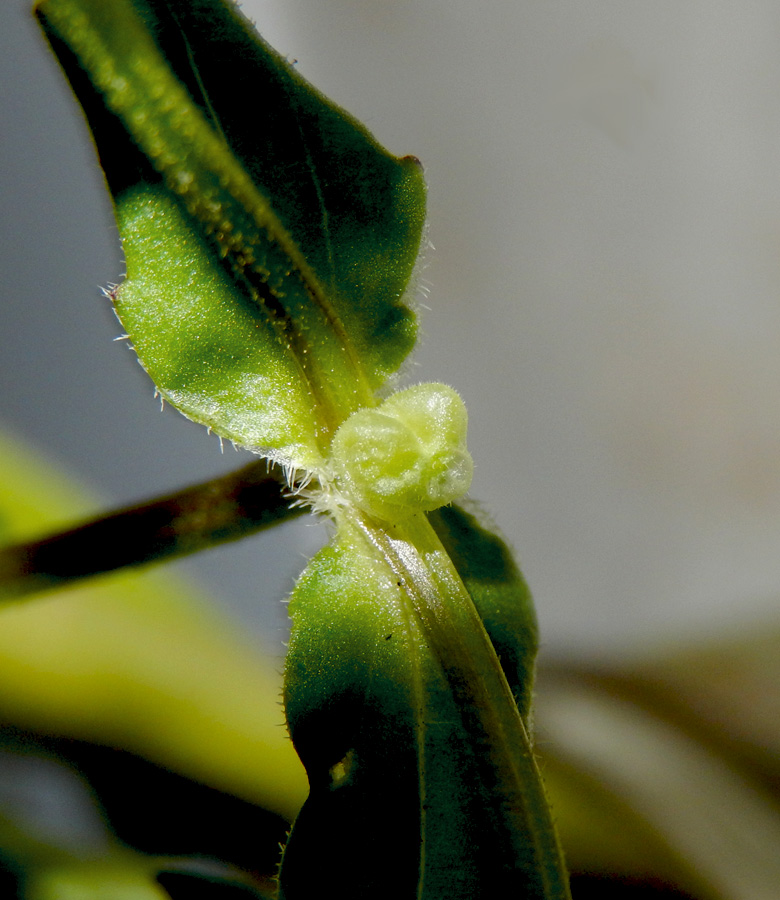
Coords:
pixel 499 591
pixel 422 776
pixel 269 239
pixel 138 660
pixel 637 795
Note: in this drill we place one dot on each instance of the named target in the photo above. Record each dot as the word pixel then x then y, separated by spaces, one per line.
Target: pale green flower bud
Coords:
pixel 406 455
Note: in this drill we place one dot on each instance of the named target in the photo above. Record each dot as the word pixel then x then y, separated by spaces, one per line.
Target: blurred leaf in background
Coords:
pixel 141 663
pixel 666 767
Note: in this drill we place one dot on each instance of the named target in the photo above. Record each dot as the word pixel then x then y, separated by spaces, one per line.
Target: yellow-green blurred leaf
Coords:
pixel 679 810
pixel 138 661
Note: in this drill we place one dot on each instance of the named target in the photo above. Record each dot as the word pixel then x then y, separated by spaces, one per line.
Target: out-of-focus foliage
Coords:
pixel 138 660
pixel 667 767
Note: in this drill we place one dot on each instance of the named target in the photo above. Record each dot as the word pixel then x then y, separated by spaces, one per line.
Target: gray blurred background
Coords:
pixel 604 292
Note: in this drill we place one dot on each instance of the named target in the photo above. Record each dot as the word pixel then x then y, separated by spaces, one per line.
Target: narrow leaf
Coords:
pixel 680 809
pixel 422 776
pixel 499 591
pixel 196 518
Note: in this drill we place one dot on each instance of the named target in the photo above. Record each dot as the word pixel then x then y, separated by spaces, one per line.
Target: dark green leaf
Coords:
pixel 422 775
pixel 499 591
pixel 196 518
pixel 269 239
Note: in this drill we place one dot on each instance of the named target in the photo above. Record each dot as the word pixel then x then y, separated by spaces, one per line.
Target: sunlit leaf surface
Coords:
pixel 269 239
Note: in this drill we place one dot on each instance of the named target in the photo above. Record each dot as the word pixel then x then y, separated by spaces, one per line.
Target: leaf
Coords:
pixel 637 795
pixel 56 840
pixel 499 591
pixel 269 239
pixel 422 778
pixel 192 519
pixel 139 661
pixel 54 836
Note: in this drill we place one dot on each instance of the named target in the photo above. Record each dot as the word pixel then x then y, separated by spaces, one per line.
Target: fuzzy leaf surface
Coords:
pixel 269 239
pixel 422 777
